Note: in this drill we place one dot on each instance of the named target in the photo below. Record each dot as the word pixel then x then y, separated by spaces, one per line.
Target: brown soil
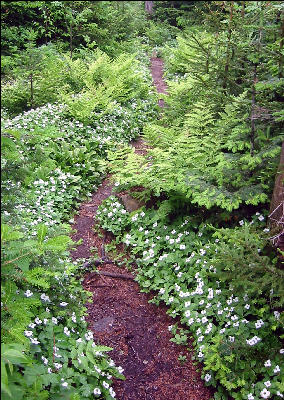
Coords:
pixel 121 317
pixel 157 68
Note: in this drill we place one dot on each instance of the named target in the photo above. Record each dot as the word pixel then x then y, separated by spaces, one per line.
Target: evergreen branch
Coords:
pixel 17 258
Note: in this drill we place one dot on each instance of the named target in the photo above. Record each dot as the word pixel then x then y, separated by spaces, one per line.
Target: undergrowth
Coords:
pixel 223 284
pixel 53 158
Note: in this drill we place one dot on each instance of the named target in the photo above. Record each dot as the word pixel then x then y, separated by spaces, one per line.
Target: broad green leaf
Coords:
pixel 4 379
pixel 15 356
pixel 7 233
pixel 58 243
pixel 23 263
pixel 41 233
pixel 8 142
pixel 101 348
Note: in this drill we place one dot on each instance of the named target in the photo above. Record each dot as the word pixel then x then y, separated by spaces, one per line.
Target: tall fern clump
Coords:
pixel 208 161
pixel 109 84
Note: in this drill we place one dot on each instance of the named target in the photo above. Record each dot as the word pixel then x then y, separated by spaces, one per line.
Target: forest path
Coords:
pixel 121 317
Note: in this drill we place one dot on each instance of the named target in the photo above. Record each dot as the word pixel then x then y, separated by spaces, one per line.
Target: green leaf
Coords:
pixel 7 233
pixel 101 348
pixel 5 141
pixel 15 356
pixel 23 263
pixel 41 233
pixel 58 243
pixel 4 379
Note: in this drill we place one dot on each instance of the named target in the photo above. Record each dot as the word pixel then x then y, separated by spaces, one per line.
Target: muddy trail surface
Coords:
pixel 121 317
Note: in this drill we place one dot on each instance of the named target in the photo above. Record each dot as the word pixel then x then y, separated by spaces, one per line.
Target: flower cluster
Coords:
pixel 112 215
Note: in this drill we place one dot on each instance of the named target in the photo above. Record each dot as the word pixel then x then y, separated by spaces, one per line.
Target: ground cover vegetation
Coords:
pixel 61 113
pixel 75 90
pixel 204 248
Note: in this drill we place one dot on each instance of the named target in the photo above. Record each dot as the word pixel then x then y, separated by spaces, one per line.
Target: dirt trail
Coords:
pixel 157 69
pixel 121 317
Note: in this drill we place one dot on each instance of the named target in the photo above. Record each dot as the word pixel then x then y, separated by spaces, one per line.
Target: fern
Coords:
pixel 106 82
pixel 208 161
pixel 16 313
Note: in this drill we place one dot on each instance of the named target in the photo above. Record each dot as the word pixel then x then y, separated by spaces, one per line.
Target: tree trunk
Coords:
pixel 149 7
pixel 32 90
pixel 226 72
pixel 45 14
pixel 243 9
pixel 280 64
pixel 276 213
pixel 252 115
pixel 71 41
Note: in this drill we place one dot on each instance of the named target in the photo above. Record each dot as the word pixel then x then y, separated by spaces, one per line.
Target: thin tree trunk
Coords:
pixel 252 132
pixel 243 9
pixel 31 90
pixel 71 41
pixel 276 213
pixel 149 7
pixel 45 23
pixel 280 65
pixel 226 72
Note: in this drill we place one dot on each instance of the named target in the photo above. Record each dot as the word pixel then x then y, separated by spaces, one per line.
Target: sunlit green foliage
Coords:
pixel 219 140
pixel 76 89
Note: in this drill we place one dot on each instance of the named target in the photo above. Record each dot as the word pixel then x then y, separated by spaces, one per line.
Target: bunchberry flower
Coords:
pixel 259 324
pixel 44 297
pixel 97 391
pixel 276 369
pixel 34 341
pixel 265 394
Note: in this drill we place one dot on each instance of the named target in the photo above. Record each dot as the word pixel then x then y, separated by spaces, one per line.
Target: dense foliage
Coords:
pixel 76 89
pixel 220 137
pixel 221 283
pixel 55 137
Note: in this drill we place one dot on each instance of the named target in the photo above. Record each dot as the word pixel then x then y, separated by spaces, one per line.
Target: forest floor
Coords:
pixel 121 317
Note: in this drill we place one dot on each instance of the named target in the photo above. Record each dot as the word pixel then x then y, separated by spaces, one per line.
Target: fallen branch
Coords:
pixel 105 260
pixel 97 262
pixel 115 275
